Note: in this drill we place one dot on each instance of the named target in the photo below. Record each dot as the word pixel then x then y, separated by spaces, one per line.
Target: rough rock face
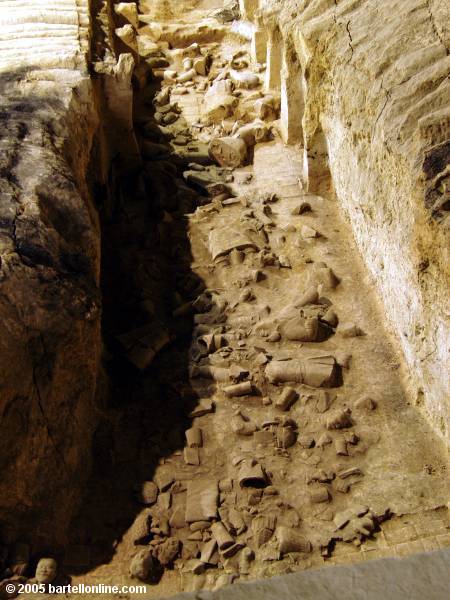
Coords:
pixel 373 79
pixel 50 261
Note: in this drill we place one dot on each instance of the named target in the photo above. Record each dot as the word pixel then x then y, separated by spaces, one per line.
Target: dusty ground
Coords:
pixel 399 489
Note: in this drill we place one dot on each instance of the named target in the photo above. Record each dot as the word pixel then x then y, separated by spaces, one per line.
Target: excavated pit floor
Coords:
pixel 389 463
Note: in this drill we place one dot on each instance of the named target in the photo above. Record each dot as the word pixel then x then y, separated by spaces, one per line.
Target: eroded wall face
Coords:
pixel 376 96
pixel 50 305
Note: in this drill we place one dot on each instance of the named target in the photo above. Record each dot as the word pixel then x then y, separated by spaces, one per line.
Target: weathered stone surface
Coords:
pixel 415 577
pixel 50 261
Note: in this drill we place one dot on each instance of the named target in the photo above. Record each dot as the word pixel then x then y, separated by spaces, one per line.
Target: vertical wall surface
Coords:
pixel 49 266
pixel 376 106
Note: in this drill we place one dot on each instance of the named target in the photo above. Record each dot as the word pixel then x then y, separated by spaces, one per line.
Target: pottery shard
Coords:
pixel 194 438
pixel 251 474
pixel 149 493
pixel 128 10
pixel 207 551
pixel 310 296
pixel 205 406
pixel 316 371
pixel 244 79
pixel 286 399
pixel 366 403
pixel 300 329
pixel 253 133
pixel 186 76
pixel 263 527
pixel 228 151
pixel 239 389
pixel 286 437
pixel 290 540
pixel 350 330
pixel 177 520
pixel 140 529
pixel 232 550
pixel 223 240
pixel 202 500
pixel 321 274
pixel 221 535
pixel 191 456
pixel 201 65
pixel 340 419
pixel 167 551
pixel 237 523
pixel 241 427
pixel 142 565
pixel 217 107
pixel 319 495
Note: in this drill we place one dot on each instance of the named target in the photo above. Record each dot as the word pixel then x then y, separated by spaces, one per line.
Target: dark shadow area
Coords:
pixel 147 287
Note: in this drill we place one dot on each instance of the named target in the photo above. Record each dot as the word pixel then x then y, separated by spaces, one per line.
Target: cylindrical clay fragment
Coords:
pixel 252 475
pixel 290 541
pixel 286 399
pixel 317 371
pixel 221 535
pixel 239 389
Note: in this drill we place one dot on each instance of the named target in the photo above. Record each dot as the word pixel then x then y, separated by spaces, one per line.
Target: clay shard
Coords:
pixel 331 318
pixel 220 374
pixel 286 437
pixel 223 240
pixel 204 407
pixel 221 535
pixel 351 330
pixel 319 495
pixel 340 419
pixel 232 550
pixel 320 371
pixel 239 389
pixel 244 79
pixel 321 274
pixel 140 529
pixel 251 474
pixel 290 540
pixel 167 551
pixel 207 551
pixel 263 527
pixel 241 427
pixel 286 399
pixel 143 565
pixel 191 456
pixel 310 296
pixel 194 437
pixel 366 403
pixel 149 493
pixel 202 500
pixel 228 151
pixel 237 523
pixel 301 329
pixel 142 344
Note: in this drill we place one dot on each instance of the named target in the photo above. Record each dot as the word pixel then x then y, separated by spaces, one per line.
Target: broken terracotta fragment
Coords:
pixel 290 540
pixel 320 371
pixel 202 500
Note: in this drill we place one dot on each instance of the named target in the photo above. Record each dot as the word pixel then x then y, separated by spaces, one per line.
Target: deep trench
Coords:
pixel 146 275
pixel 150 286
